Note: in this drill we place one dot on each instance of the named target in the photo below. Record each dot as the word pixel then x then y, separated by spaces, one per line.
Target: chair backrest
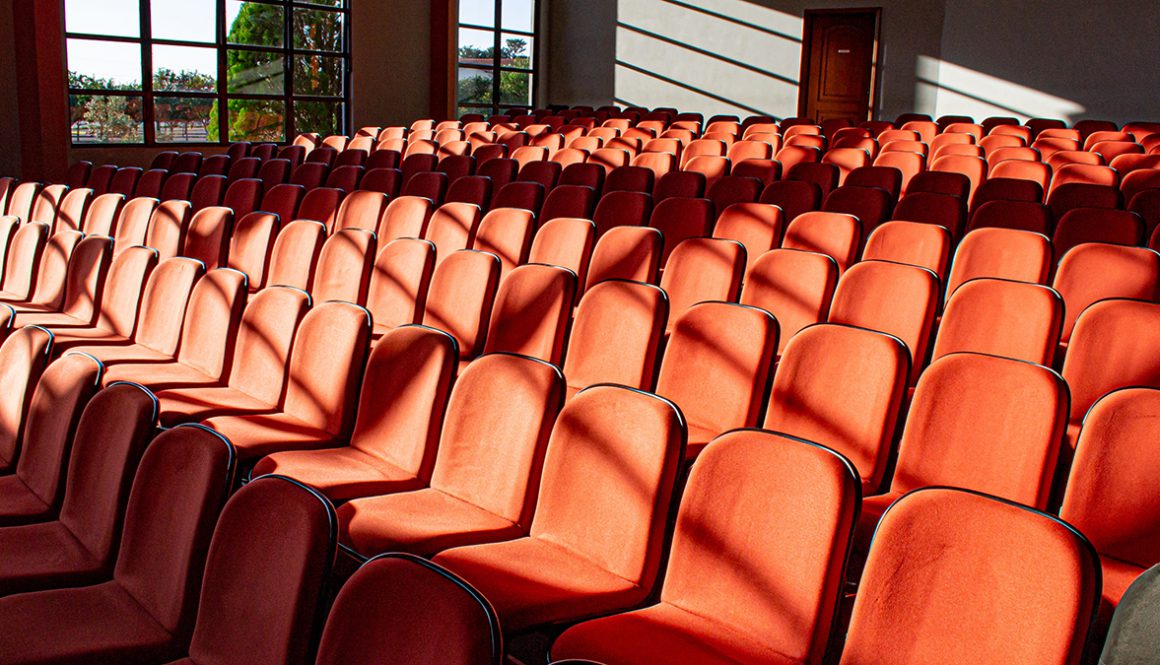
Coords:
pixel 882 177
pixel 1095 271
pixel 422 614
pixel 87 270
pixel 872 206
pixel 843 388
pixel 622 208
pixel 717 366
pixel 24 256
pixel 923 245
pixel 531 314
pixel 498 422
pixel 398 285
pixel 680 184
pixel 121 296
pixel 344 267
pixel 616 336
pixel 453 227
pixel 1114 227
pixel 47 203
pixel 23 357
pixel 1083 195
pixel 208 237
pixel 22 198
pixel 680 219
pixel 244 196
pixel 102 214
pixel 933 543
pixel 757 497
pixel 1021 256
pixel 360 210
pixel 117 425
pixel 795 286
pixel 295 254
pixel 1018 215
pixel 1113 347
pixel 166 232
pixel 163 303
pixel 835 234
pixel 284 585
pixel 626 252
pixel 264 339
pixel 207 191
pixel 211 321
pixel 1007 189
pixel 893 298
pixel 320 205
pixel 182 481
pixel 631 443
pixel 250 246
pixel 961 432
pixel 52 272
pixel 568 201
pixel 507 233
pixel 460 298
pixel 321 392
pixel 566 242
pixel 943 210
pixel 909 164
pixel 1002 318
pixel 703 269
pixel 1109 498
pixel 1130 633
pixel 404 398
pixel 405 217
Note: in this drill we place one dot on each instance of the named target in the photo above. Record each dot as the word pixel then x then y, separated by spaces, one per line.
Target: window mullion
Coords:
pixel 288 72
pixel 495 62
pixel 223 75
pixel 149 133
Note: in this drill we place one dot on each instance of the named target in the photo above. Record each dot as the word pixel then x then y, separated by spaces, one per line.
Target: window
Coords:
pixel 206 71
pixel 497 55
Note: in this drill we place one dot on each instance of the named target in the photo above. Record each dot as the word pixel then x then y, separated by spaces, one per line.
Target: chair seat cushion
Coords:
pixel 160 376
pixel 19 504
pixel 44 556
pixel 340 473
pixel 191 405
pixel 259 435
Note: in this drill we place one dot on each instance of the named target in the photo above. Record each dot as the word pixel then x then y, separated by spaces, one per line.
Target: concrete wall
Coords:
pixel 1059 58
pixel 391 52
pixel 9 99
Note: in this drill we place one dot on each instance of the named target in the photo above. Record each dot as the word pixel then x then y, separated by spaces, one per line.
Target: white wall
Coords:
pixel 1060 58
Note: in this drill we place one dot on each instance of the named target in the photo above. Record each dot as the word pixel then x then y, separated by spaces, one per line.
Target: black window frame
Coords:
pixel 221 95
pixel 496 107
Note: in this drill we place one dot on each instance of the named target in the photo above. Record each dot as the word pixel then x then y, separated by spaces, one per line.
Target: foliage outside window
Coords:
pixel 496 55
pixel 206 71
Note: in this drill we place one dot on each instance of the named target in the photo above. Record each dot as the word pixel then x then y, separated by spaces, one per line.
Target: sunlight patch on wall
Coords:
pixel 945 88
pixel 712 56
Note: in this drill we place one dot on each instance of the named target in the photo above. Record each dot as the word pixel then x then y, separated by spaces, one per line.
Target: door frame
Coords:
pixel 807 49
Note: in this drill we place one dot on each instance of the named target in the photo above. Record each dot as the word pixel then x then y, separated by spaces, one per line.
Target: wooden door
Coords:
pixel 839 64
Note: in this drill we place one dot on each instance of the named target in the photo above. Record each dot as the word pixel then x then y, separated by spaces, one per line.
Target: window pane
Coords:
pixel 516 51
pixel 106 119
pixel 319 75
pixel 257 120
pixel 474 86
pixel 185 20
pixel 185 119
pixel 515 88
pixel 518 15
pixel 185 68
pixel 477 12
pixel 97 65
pixel 322 117
pixel 121 18
pixel 317 30
pixel 476 46
pixel 255 73
pixel 328 3
pixel 254 23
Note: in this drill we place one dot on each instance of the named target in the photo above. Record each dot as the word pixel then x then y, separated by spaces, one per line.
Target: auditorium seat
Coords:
pixel 207 237
pixel 399 281
pixel 295 253
pixel 320 205
pixel 678 219
pixel 621 208
pixel 942 210
pixel 616 336
pixel 1002 254
pixel 166 231
pixel 937 542
pixel 77 548
pixel 795 286
pixel 842 387
pixel 23 358
pixel 102 214
pixel 883 177
pixel 834 234
pixel 1019 215
pixel 360 210
pixel 532 311
pixel 427 184
pixel 487 471
pixel 566 242
pixel 1002 318
pixel 318 408
pixel 257 377
pixel 267 565
pixel 680 184
pixel 344 267
pixel 405 217
pixel 24 254
pixel 50 279
pixel 962 432
pixel 702 269
pixel 419 614
pixel 1083 225
pixel 207 337
pixel 144 613
pixel 568 201
pixel 793 197
pixel 949 183
pixel 507 233
pixel 1083 195
pixel 716 368
pixel 1112 347
pixel 730 190
pixel 923 245
pixel 587 553
pixel 1094 271
pixel 626 252
pixel 460 298
pixel 401 407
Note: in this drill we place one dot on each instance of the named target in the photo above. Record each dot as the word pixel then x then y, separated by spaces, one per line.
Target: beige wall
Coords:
pixel 1062 58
